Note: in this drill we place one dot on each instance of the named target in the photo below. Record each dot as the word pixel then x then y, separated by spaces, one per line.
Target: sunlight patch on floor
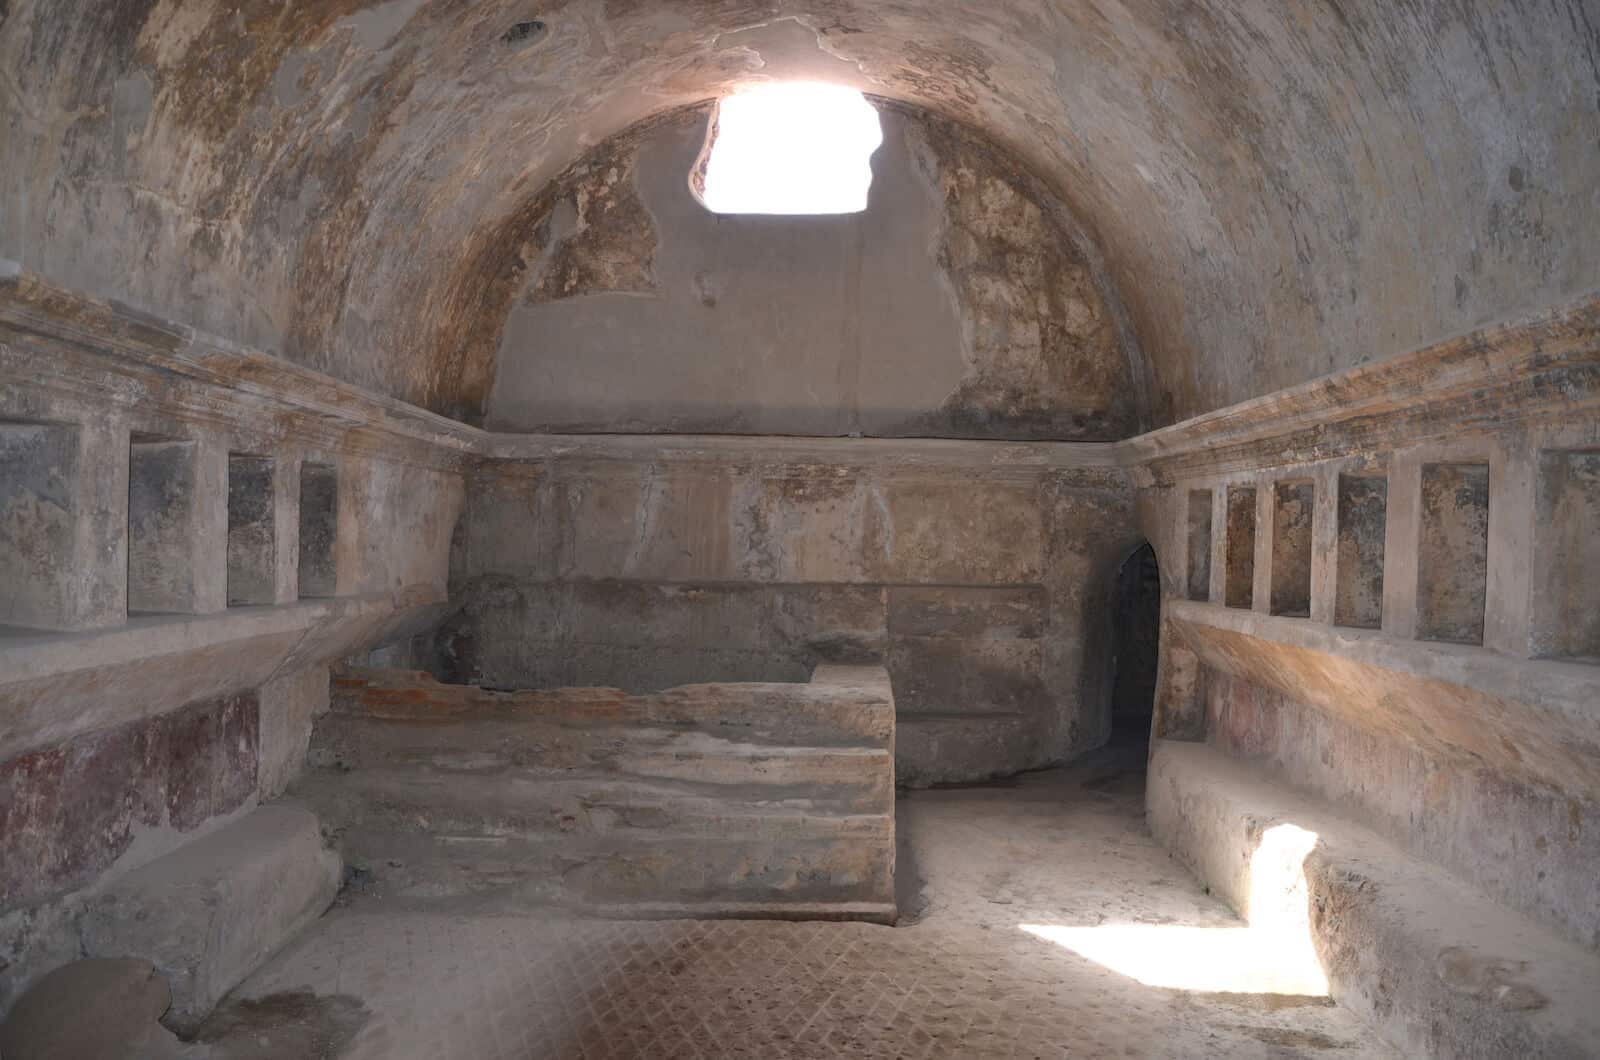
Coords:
pixel 1272 955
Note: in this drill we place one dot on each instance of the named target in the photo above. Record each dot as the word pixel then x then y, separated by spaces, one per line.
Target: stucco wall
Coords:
pixel 958 304
pixel 1377 625
pixel 1278 190
pixel 985 592
pixel 165 711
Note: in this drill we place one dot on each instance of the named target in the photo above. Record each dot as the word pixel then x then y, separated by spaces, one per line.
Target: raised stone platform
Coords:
pixel 705 800
pixel 1434 967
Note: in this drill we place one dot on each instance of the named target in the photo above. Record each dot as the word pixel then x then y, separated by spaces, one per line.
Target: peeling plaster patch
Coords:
pixel 812 325
pixel 612 242
pixel 72 809
pixel 1305 172
pixel 1043 356
pixel 208 80
pixel 377 27
pixel 132 99
pixel 287 84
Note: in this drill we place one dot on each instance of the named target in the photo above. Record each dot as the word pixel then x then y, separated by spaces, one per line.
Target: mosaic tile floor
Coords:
pixel 961 979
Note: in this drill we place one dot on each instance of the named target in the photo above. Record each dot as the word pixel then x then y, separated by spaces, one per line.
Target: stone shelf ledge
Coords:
pixel 1518 370
pixel 54 686
pixel 1538 720
pixel 192 374
pixel 904 453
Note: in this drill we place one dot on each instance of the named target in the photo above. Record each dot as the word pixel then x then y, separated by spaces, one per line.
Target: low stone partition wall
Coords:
pixel 749 799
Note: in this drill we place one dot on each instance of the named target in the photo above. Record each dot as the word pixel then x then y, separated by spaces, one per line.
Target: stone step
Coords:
pixel 840 708
pixel 484 747
pixel 532 804
pixel 1435 967
pixel 210 912
pixel 693 874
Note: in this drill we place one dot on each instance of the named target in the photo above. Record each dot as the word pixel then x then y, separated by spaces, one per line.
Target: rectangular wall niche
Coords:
pixel 319 524
pixel 1453 565
pixel 1363 521
pixel 162 524
pixel 1200 545
pixel 1566 600
pixel 1241 547
pixel 38 523
pixel 252 555
pixel 1292 506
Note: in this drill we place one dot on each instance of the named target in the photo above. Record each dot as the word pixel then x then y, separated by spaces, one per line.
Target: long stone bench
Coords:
pixel 1436 968
pixel 704 800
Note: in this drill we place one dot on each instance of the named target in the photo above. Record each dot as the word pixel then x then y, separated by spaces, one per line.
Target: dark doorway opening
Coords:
pixel 1136 641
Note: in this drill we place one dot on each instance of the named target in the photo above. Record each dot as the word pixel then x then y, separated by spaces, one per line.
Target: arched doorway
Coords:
pixel 1136 644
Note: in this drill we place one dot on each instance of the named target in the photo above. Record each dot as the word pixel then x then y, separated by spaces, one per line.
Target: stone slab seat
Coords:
pixel 841 706
pixel 532 805
pixel 1435 967
pixel 506 747
pixel 212 911
pixel 740 799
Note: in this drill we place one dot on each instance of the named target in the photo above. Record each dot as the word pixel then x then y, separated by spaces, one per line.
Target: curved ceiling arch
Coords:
pixel 1277 190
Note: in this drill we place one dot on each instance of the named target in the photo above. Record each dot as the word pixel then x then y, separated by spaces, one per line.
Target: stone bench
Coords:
pixel 1436 968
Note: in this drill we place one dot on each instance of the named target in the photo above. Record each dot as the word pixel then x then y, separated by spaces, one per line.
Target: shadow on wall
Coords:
pixel 1135 643
pixel 1273 954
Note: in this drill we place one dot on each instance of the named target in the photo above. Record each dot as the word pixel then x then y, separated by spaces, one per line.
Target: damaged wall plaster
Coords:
pixel 956 305
pixel 1279 192
pixel 986 591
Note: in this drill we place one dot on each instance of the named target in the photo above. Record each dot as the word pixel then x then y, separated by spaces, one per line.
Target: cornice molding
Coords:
pixel 898 454
pixel 1544 367
pixel 78 347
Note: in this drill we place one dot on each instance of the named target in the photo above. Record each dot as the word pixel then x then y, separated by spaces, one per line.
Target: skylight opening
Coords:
pixel 793 148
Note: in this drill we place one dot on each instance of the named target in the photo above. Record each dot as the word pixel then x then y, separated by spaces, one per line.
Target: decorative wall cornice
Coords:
pixel 64 344
pixel 1544 368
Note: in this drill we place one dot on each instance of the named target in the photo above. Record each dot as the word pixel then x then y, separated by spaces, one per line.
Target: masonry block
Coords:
pixel 211 912
pixel 287 706
pixel 766 799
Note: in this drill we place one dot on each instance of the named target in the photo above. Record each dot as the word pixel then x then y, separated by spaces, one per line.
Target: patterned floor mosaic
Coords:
pixel 962 980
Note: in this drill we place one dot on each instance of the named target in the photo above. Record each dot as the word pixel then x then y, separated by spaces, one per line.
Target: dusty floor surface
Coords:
pixel 960 978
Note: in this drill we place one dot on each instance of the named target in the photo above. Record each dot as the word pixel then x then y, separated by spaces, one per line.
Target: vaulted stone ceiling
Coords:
pixel 1278 190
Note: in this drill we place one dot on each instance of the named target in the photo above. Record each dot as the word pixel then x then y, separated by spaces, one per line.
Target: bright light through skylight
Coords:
pixel 795 148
